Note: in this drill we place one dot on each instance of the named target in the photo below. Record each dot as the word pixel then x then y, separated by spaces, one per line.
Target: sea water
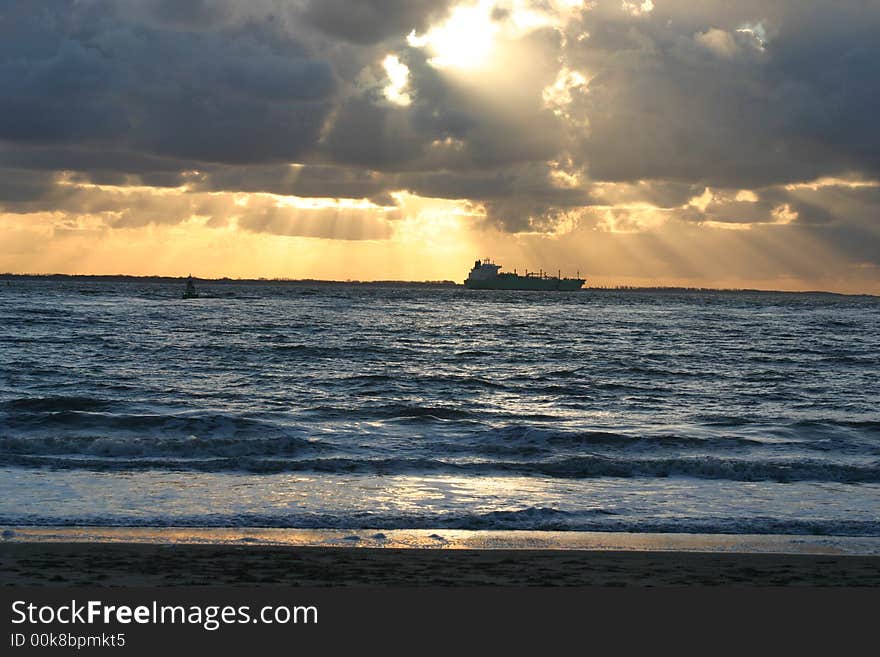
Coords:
pixel 343 407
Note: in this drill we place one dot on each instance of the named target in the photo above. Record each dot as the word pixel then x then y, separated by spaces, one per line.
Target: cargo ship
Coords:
pixel 485 275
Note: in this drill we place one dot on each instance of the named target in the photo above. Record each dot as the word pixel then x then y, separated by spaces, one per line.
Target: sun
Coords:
pixel 464 41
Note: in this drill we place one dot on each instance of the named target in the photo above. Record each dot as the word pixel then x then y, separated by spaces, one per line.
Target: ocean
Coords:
pixel 389 407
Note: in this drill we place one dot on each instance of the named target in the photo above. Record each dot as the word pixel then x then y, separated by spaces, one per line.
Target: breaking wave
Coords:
pixel 264 457
pixel 527 519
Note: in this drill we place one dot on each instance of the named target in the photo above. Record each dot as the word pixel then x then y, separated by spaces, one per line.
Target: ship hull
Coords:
pixel 514 282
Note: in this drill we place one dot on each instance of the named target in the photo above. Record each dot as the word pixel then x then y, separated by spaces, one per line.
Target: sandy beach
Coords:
pixel 127 564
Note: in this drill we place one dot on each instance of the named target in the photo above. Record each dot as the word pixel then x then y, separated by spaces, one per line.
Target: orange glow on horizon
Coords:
pixel 433 243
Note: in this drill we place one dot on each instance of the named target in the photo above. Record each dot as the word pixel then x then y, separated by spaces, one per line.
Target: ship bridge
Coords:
pixel 484 270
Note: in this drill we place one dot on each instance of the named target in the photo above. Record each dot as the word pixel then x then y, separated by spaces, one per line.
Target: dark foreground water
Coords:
pixel 344 406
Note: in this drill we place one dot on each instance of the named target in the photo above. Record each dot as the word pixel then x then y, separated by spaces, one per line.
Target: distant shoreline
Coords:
pixel 123 278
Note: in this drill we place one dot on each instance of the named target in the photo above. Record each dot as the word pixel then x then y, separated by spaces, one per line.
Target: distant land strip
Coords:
pixel 225 280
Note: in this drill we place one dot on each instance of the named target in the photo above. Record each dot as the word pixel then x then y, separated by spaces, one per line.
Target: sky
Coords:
pixel 664 142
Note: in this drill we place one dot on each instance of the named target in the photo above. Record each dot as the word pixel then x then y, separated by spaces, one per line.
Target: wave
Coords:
pixel 76 447
pixel 527 519
pixel 71 415
pixel 517 434
pixel 426 412
pixel 55 404
pixel 851 437
pixel 406 412
pixel 579 467
pixel 342 351
pixel 93 426
pixel 870 426
pixel 472 353
pixel 523 441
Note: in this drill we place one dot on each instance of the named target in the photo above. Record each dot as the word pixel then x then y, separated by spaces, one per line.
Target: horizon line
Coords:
pixel 437 282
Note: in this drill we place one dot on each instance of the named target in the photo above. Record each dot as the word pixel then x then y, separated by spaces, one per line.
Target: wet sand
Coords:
pixel 130 564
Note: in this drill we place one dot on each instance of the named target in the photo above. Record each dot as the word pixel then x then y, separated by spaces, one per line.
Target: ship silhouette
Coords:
pixel 486 275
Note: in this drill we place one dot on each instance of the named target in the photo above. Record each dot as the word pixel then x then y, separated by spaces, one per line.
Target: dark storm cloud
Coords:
pixel 371 21
pixel 690 93
pixel 661 194
pixel 479 141
pixel 841 206
pixel 187 14
pixel 20 188
pixel 529 184
pixel 25 192
pixel 837 204
pixel 83 158
pixel 307 181
pixel 73 76
pixel 223 95
pixel 374 136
